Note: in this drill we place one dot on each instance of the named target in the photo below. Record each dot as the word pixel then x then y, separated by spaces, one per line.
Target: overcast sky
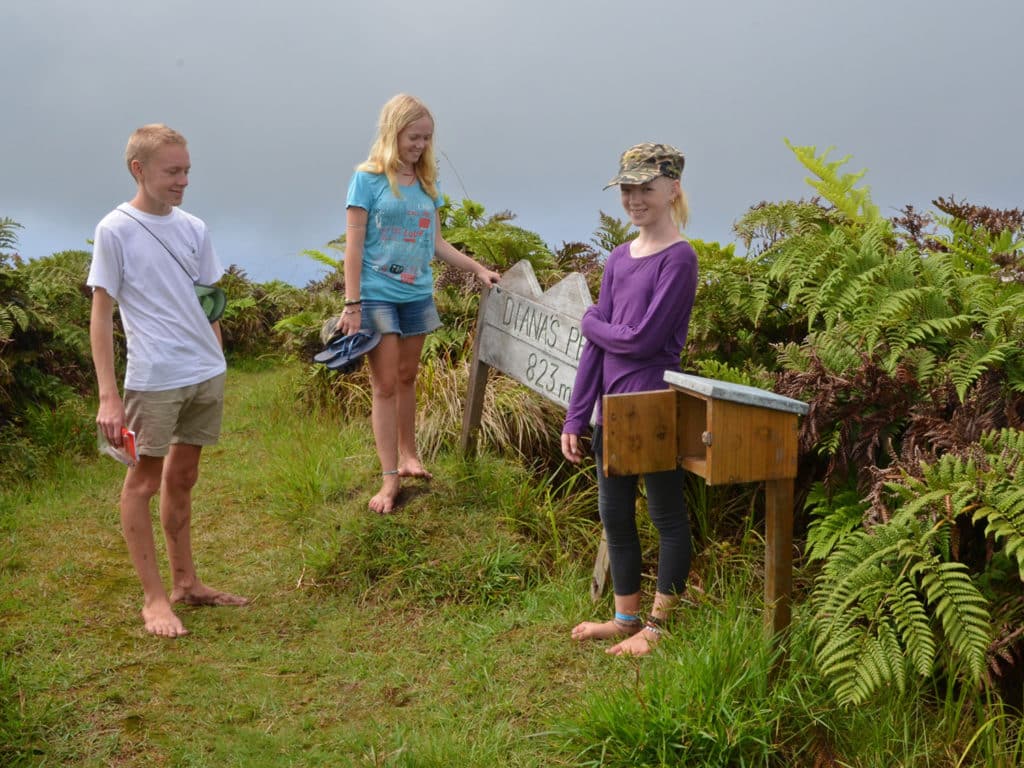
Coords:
pixel 533 100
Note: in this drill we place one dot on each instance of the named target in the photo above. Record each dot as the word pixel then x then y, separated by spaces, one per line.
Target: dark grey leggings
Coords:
pixel 616 501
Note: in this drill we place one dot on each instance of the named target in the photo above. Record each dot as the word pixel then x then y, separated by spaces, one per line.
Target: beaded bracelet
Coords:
pixel 654 624
pixel 653 628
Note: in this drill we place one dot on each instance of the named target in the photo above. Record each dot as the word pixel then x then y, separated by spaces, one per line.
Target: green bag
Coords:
pixel 213 300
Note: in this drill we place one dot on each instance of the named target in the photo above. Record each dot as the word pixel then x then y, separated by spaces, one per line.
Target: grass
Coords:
pixel 405 640
pixel 437 636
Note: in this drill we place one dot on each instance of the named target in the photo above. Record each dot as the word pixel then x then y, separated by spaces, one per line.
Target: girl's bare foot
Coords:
pixel 384 502
pixel 161 621
pixel 413 468
pixel 601 630
pixel 639 644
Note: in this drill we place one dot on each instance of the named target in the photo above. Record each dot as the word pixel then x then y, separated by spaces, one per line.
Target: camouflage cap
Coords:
pixel 648 161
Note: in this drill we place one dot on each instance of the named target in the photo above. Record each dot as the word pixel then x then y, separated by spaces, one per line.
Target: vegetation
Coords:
pixel 438 636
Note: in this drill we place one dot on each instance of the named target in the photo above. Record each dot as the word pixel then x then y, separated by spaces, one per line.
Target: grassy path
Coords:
pixel 433 637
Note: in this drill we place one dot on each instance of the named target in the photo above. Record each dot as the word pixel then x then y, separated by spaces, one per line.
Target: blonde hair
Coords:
pixel 147 140
pixel 681 209
pixel 399 113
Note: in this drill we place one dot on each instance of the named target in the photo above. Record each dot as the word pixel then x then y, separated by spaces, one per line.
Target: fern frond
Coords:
pixel 833 519
pixel 11 316
pixel 960 608
pixel 1003 512
pixel 323 258
pixel 912 620
pixel 970 358
pixel 838 188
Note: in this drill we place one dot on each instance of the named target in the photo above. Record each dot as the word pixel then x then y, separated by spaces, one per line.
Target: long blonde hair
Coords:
pixel 399 113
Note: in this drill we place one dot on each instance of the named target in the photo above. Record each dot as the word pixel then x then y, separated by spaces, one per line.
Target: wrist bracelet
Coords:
pixel 350 302
pixel 351 311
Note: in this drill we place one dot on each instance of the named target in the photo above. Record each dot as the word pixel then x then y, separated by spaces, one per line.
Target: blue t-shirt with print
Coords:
pixel 399 243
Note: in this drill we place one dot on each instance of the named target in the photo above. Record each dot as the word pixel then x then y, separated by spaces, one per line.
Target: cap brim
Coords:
pixel 633 177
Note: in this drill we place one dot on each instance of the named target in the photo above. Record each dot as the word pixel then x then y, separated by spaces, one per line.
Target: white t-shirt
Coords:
pixel 170 342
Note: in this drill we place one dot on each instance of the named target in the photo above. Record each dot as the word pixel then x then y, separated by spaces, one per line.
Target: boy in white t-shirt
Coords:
pixel 148 255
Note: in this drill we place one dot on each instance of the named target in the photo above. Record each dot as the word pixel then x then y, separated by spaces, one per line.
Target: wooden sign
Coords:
pixel 534 336
pixel 528 334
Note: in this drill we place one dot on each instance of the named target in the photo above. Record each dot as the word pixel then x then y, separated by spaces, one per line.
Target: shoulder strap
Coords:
pixel 177 261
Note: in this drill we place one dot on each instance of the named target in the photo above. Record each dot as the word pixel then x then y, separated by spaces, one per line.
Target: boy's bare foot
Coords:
pixel 200 594
pixel 639 644
pixel 161 621
pixel 600 630
pixel 384 502
pixel 413 468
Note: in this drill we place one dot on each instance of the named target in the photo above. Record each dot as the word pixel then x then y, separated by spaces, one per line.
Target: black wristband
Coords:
pixel 349 302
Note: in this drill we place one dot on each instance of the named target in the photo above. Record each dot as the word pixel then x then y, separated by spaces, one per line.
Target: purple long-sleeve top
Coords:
pixel 637 329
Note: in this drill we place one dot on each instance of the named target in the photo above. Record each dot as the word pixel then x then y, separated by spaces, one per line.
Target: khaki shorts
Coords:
pixel 190 415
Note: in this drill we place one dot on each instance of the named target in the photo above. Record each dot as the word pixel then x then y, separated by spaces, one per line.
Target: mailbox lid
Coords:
pixel 737 393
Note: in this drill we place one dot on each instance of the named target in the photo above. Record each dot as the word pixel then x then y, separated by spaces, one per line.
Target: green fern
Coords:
pixel 833 518
pixel 970 358
pixel 838 188
pixel 881 601
pixel 611 233
pixel 323 258
pixel 900 580
pixel 8 234
pixel 12 316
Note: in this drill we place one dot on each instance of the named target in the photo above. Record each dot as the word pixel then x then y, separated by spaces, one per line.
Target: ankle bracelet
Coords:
pixel 387 472
pixel 654 624
pixel 627 620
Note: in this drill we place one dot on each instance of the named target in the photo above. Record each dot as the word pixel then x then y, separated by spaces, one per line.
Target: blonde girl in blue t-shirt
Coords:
pixel 392 233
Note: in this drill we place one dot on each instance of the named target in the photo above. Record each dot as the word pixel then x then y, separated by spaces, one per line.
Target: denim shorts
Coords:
pixel 412 318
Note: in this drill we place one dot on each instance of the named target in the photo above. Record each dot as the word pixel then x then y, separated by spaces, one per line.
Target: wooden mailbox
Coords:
pixel 726 433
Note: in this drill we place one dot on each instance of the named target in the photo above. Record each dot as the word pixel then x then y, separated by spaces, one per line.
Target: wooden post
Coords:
pixel 478 374
pixel 602 569
pixel 778 553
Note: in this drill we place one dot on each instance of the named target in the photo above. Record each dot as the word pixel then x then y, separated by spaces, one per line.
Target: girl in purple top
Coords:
pixel 634 333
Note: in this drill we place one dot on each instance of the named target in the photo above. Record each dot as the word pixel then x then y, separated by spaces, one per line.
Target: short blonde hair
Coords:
pixel 399 113
pixel 147 140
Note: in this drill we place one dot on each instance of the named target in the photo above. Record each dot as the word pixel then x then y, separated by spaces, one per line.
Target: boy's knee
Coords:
pixel 142 484
pixel 182 479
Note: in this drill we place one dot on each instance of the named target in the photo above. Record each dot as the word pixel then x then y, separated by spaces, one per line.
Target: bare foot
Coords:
pixel 200 594
pixel 384 502
pixel 639 644
pixel 161 621
pixel 600 630
pixel 413 468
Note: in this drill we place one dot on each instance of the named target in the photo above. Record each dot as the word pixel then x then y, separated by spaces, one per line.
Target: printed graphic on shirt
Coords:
pixel 405 239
